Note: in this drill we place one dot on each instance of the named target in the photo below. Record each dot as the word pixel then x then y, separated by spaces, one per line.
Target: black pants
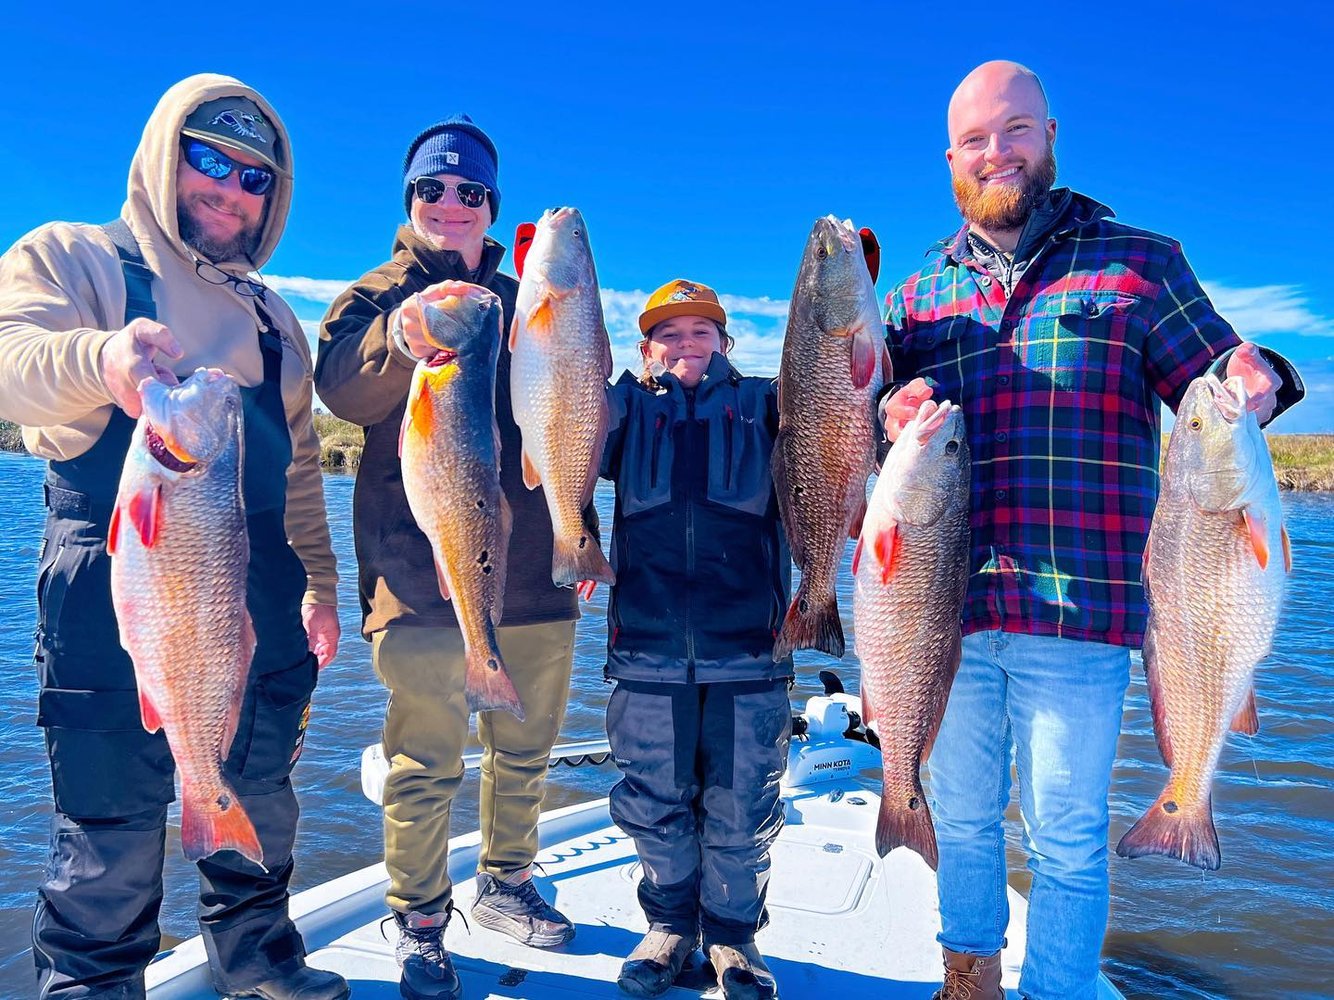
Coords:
pixel 95 928
pixel 699 793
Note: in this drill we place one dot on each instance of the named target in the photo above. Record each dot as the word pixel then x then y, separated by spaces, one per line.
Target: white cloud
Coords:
pixel 1264 309
pixel 315 289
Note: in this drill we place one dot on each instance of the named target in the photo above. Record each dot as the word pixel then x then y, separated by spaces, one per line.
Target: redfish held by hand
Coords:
pixel 911 570
pixel 179 557
pixel 833 365
pixel 450 452
pixel 1215 569
pixel 560 363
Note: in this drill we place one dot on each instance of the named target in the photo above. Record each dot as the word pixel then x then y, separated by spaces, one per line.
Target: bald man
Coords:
pixel 1059 331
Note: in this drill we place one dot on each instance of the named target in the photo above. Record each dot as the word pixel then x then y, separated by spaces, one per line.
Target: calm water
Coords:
pixel 1260 927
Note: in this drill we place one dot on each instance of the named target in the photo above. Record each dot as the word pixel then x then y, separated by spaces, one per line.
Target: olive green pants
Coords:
pixel 425 729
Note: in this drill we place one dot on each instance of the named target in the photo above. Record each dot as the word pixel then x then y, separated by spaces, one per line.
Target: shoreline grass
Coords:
pixel 1302 462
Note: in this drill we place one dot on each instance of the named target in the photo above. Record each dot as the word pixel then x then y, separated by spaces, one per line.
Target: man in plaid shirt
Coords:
pixel 1058 330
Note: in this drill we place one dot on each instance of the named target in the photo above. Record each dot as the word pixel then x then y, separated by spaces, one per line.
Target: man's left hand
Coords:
pixel 322 631
pixel 1261 380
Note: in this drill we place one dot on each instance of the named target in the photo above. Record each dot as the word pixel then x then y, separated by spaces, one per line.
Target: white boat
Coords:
pixel 844 922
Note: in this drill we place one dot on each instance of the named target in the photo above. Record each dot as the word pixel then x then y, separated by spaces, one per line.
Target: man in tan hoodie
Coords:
pixel 86 313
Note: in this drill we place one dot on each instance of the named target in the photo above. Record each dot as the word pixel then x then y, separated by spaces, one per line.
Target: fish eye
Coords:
pixel 821 252
pixel 1196 423
pixel 952 448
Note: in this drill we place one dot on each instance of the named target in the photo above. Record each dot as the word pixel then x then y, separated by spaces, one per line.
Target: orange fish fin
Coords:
pixel 421 411
pixel 907 824
pixel 864 353
pixel 1182 830
pixel 514 334
pixel 245 655
pixel 145 510
pixel 579 558
pixel 531 477
pixel 868 708
pixel 810 625
pixel 1287 549
pixel 956 658
pixel 441 580
pixel 886 551
pixel 1259 533
pixel 857 554
pixel 113 531
pixel 1247 719
pixel 1157 700
pixel 858 519
pixel 148 713
pixel 217 825
pixel 542 317
pixel 487 685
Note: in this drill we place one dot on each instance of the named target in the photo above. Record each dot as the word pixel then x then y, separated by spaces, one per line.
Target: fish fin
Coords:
pixel 531 477
pixel 514 334
pixel 606 359
pixel 403 431
pixel 441 580
pixel 579 557
pixel 148 713
pixel 1247 719
pixel 907 824
pixel 786 502
pixel 542 317
pixel 113 531
pixel 219 825
pixel 145 510
pixel 1157 701
pixel 420 413
pixel 487 684
pixel 886 365
pixel 1177 830
pixel 1287 549
pixel 864 355
pixel 1259 534
pixel 886 552
pixel 956 657
pixel 857 554
pixel 810 626
pixel 245 656
pixel 858 519
pixel 868 708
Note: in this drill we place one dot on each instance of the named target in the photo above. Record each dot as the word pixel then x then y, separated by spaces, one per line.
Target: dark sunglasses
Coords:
pixel 216 164
pixel 471 194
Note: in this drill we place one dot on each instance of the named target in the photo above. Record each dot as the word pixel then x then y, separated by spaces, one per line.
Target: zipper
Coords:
pixel 657 448
pixel 727 451
pixel 690 536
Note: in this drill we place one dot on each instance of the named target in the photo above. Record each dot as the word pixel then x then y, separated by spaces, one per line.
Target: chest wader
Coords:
pixel 95 926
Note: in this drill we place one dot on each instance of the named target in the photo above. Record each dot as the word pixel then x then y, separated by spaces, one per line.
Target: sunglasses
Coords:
pixel 216 164
pixel 471 194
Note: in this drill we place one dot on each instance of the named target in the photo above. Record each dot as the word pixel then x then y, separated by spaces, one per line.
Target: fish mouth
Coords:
pixel 443 356
pixel 168 453
pixel 1229 396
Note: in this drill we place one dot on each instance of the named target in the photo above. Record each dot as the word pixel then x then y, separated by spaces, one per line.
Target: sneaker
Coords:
pixel 428 971
pixel 513 907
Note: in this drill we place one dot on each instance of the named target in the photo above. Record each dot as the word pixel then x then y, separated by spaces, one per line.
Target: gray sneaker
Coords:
pixel 428 971
pixel 514 907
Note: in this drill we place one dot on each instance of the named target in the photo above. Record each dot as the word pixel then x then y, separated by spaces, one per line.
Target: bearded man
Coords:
pixel 1059 331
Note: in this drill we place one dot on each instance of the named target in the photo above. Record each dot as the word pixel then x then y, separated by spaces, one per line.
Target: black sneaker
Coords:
pixel 428 971
pixel 513 907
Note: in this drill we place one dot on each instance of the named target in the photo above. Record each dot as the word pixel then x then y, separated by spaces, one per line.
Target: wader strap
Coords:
pixel 138 278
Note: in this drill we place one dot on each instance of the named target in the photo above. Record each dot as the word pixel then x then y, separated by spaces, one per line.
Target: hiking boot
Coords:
pixel 655 963
pixel 742 973
pixel 513 907
pixel 971 977
pixel 303 984
pixel 428 971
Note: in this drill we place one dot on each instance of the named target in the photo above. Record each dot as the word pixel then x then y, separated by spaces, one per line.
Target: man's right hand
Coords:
pixel 130 356
pixel 410 323
pixel 901 406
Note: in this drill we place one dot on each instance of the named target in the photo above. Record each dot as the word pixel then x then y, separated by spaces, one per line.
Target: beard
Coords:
pixel 240 247
pixel 999 209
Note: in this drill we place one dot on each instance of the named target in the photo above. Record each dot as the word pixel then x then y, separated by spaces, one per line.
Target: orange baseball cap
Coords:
pixel 681 298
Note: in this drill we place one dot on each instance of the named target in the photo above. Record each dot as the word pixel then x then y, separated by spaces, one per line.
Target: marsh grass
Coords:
pixel 340 442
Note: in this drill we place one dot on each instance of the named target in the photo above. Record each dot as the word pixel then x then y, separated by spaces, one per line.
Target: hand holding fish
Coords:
pixel 1261 380
pixel 129 357
pixel 408 324
pixel 322 631
pixel 901 407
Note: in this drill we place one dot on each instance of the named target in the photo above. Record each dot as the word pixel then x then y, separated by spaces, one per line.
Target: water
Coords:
pixel 1259 927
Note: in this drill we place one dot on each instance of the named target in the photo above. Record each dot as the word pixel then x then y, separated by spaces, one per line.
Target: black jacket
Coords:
pixel 702 565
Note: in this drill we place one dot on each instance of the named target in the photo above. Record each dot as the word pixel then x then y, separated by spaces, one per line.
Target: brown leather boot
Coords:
pixel 655 963
pixel 971 977
pixel 742 973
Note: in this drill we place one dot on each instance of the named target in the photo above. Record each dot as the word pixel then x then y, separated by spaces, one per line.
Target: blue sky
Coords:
pixel 702 141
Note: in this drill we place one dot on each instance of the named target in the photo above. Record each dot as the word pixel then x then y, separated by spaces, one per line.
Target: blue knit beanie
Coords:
pixel 453 146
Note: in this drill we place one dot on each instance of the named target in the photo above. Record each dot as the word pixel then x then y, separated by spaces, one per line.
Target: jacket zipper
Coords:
pixel 657 447
pixel 690 537
pixel 727 452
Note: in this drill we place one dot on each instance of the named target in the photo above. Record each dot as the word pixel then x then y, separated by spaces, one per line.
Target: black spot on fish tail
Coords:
pixel 487 568
pixel 914 802
pixel 482 559
pixel 481 505
pixel 492 663
pixel 583 541
pixel 224 801
pixel 1169 807
pixel 802 606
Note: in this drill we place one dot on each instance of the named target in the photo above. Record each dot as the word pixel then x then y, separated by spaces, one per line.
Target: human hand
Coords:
pixel 409 323
pixel 322 631
pixel 1261 380
pixel 130 356
pixel 901 406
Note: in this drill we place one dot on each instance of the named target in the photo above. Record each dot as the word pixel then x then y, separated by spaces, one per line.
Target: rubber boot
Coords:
pixel 742 973
pixel 971 977
pixel 656 962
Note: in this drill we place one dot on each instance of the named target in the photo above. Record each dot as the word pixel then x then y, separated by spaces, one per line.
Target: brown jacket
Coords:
pixel 62 296
pixel 364 378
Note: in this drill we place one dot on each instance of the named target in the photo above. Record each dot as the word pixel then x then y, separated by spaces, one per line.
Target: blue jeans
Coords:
pixel 1057 704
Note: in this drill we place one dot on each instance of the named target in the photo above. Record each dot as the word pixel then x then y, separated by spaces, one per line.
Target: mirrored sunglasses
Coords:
pixel 216 164
pixel 471 194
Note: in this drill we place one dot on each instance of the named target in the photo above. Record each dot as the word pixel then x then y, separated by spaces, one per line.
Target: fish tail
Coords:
pixel 1177 829
pixel 577 557
pixel 487 684
pixel 219 824
pixel 810 624
pixel 907 824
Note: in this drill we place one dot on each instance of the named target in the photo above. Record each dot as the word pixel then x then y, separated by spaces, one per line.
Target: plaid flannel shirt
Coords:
pixel 1060 387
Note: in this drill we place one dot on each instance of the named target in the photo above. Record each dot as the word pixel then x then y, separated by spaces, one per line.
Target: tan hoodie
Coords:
pixel 62 296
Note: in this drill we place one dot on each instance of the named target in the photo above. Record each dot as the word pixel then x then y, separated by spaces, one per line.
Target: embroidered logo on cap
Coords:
pixel 686 293
pixel 241 122
pixel 452 158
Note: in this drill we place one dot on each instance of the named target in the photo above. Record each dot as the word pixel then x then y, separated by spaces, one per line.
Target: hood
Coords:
pixel 150 205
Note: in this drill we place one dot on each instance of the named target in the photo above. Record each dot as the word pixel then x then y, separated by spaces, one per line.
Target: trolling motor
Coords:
pixel 829 740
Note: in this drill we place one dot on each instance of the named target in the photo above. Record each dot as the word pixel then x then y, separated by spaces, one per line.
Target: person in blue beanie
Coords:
pixel 369 347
